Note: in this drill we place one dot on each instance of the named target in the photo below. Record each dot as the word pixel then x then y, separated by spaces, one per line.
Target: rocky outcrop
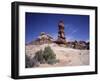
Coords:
pixel 78 45
pixel 61 34
pixel 43 38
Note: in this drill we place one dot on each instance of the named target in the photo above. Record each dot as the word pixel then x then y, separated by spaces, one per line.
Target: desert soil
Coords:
pixel 66 56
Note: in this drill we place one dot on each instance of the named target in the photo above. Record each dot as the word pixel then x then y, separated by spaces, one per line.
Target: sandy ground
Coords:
pixel 66 56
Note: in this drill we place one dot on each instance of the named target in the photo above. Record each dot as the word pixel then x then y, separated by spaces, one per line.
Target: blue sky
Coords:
pixel 76 26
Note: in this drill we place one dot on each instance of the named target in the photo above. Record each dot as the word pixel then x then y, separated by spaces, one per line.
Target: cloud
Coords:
pixel 54 35
pixel 70 29
pixel 73 31
pixel 70 32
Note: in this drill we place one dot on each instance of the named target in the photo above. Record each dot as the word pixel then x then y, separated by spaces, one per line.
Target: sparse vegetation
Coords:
pixel 28 62
pixel 48 54
pixel 41 57
pixel 52 61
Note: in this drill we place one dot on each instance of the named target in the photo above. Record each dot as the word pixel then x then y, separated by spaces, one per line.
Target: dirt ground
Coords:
pixel 66 56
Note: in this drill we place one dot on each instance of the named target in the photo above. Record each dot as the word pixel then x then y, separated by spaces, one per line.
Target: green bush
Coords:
pixel 49 55
pixel 39 56
pixel 52 61
pixel 46 56
pixel 30 62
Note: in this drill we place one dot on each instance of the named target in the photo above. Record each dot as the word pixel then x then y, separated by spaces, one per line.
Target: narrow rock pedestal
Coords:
pixel 61 34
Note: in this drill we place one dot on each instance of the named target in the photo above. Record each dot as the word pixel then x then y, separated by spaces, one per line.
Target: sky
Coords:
pixel 76 26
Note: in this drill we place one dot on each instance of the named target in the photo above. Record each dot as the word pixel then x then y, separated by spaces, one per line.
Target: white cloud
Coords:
pixel 74 31
pixel 54 35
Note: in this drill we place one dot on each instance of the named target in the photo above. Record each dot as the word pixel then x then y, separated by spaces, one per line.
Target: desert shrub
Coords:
pixel 39 56
pixel 28 62
pixel 46 56
pixel 49 55
pixel 52 61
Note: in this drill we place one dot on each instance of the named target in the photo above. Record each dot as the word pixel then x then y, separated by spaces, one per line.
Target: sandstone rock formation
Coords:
pixel 43 38
pixel 61 34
